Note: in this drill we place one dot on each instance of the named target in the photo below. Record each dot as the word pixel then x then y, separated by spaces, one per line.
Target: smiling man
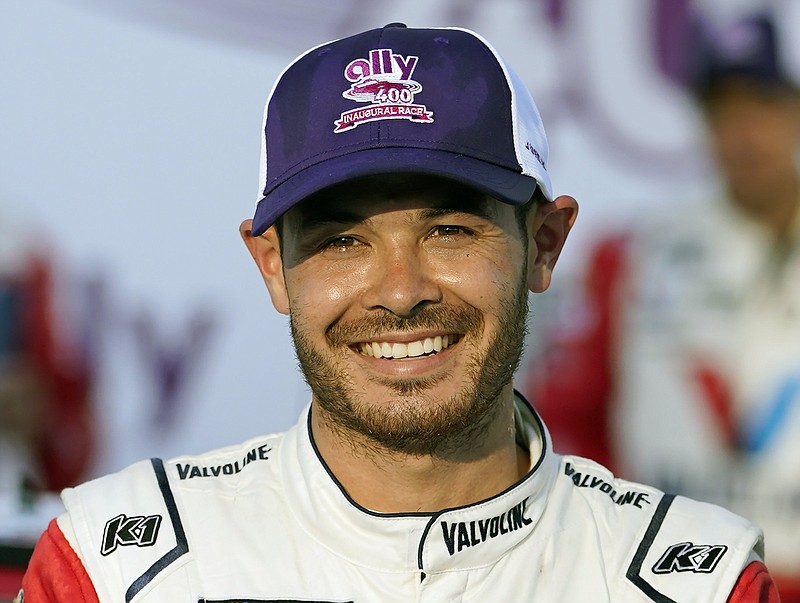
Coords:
pixel 406 212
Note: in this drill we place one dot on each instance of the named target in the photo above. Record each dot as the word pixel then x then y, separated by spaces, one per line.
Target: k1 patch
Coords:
pixel 688 557
pixel 138 531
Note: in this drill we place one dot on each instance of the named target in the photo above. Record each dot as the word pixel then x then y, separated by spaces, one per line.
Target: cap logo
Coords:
pixel 384 81
pixel 535 153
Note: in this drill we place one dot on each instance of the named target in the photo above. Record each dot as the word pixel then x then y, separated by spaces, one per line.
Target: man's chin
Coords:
pixel 424 391
pixel 417 424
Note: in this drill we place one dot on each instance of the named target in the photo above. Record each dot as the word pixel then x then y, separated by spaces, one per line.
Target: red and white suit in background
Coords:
pixel 686 371
pixel 61 450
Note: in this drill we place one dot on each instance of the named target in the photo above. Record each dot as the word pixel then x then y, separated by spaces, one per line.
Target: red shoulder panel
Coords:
pixel 755 585
pixel 55 574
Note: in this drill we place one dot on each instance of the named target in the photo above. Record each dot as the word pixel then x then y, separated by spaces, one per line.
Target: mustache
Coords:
pixel 453 319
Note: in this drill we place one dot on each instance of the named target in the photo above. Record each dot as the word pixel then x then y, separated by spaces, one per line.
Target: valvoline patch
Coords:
pixel 384 80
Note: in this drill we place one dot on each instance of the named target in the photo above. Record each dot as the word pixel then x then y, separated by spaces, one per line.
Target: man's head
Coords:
pixel 751 106
pixel 406 213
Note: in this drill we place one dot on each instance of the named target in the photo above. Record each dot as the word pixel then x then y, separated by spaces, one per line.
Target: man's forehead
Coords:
pixel 356 200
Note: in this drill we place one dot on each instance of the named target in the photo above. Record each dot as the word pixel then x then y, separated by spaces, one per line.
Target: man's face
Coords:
pixel 407 299
pixel 754 135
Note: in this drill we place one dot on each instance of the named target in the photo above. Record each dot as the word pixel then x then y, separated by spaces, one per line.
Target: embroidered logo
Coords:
pixel 688 557
pixel 535 153
pixel 624 497
pixel 187 471
pixel 138 531
pixel 384 81
pixel 460 535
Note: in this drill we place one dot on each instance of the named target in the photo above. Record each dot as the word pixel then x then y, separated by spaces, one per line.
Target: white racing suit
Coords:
pixel 267 521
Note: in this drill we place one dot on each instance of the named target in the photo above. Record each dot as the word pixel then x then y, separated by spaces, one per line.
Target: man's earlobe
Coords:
pixel 548 227
pixel 266 252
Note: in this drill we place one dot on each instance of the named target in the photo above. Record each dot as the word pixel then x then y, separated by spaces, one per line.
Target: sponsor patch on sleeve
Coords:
pixel 688 557
pixel 138 531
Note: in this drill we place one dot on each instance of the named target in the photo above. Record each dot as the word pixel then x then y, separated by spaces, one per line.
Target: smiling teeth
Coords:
pixel 407 350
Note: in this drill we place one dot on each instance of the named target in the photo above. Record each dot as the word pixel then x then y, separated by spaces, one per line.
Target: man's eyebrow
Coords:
pixel 309 221
pixel 476 208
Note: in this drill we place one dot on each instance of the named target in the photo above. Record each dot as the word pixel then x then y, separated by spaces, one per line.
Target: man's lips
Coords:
pixel 410 349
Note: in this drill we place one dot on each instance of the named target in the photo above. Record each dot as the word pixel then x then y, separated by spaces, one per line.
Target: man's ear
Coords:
pixel 548 227
pixel 266 252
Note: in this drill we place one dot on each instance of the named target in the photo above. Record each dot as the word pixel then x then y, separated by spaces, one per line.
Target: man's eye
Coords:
pixel 341 242
pixel 447 230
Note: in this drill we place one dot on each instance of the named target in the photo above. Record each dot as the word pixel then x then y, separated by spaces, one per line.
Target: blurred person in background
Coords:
pixel 45 428
pixel 682 367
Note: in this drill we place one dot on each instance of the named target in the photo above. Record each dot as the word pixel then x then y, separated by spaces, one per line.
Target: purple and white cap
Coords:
pixel 396 99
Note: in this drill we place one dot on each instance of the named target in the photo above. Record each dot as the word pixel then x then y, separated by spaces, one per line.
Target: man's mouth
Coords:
pixel 412 349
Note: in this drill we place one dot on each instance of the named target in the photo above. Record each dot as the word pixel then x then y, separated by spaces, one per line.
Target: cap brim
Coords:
pixel 502 183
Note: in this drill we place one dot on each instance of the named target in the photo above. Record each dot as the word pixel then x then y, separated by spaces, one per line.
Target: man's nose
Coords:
pixel 402 280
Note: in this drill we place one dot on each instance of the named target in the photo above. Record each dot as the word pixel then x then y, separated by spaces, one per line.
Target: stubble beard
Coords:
pixel 410 422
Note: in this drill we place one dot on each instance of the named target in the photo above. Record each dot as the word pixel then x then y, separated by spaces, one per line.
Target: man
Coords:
pixel 692 357
pixel 406 212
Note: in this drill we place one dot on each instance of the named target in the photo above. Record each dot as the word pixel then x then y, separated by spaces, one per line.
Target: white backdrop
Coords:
pixel 129 137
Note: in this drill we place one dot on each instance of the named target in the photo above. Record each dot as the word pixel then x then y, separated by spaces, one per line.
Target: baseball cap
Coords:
pixel 746 48
pixel 436 101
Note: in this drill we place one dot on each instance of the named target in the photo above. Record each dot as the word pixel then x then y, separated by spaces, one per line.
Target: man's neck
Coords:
pixel 391 482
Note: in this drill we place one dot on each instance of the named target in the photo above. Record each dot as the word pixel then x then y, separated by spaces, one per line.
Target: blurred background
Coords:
pixel 129 146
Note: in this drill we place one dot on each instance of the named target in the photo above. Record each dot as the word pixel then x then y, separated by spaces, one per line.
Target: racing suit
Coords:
pixel 267 521
pixel 686 373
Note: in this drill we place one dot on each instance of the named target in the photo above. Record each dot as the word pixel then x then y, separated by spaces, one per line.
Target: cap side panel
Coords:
pixel 530 145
